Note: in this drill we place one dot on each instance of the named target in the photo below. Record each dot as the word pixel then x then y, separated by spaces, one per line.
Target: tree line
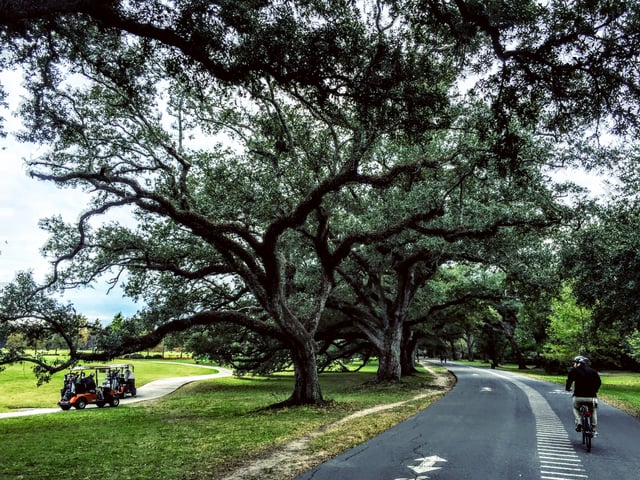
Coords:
pixel 311 181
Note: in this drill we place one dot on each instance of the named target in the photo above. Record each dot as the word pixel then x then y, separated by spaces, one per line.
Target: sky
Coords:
pixel 23 202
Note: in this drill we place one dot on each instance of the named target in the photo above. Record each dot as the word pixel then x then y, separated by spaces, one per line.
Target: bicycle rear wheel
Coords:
pixel 587 432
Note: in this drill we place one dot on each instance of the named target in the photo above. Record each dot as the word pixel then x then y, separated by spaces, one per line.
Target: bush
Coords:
pixel 555 366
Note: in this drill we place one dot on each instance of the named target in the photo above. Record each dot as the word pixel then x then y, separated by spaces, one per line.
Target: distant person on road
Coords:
pixel 131 382
pixel 587 383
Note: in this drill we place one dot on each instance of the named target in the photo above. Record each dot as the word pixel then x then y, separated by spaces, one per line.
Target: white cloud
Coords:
pixel 23 202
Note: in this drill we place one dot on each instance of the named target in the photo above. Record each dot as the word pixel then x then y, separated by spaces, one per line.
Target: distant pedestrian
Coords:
pixel 129 378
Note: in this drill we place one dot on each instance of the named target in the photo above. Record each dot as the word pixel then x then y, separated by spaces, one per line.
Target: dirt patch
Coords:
pixel 290 459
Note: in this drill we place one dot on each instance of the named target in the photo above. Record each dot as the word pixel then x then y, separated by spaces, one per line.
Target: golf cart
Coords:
pixel 122 380
pixel 81 387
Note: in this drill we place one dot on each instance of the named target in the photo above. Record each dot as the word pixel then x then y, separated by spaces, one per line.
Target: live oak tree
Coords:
pixel 229 155
pixel 233 135
pixel 473 201
pixel 601 263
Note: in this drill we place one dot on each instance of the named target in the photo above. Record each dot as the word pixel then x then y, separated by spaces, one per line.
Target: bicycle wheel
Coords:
pixel 587 433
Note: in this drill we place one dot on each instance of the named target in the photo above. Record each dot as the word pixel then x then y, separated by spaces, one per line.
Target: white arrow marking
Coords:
pixel 486 389
pixel 427 464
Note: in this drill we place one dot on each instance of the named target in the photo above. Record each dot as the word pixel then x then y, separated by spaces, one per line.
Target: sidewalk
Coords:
pixel 149 391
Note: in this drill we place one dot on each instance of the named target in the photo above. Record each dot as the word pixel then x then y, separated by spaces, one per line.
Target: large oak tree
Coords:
pixel 235 133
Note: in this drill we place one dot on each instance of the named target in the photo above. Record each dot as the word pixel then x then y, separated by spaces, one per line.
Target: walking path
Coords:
pixel 148 391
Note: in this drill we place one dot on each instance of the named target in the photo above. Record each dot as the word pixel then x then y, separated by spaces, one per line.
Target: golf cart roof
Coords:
pixel 122 365
pixel 84 368
pixel 101 368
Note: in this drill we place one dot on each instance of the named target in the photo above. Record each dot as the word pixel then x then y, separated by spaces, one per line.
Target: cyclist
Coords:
pixel 587 383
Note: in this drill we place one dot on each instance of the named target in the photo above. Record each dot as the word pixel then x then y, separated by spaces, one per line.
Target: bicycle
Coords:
pixel 586 426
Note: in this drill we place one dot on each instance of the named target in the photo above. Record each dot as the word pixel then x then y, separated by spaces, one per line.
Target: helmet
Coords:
pixel 581 359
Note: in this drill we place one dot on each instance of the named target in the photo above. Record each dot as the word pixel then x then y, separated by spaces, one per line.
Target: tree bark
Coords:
pixel 306 389
pixel 389 363
pixel 408 353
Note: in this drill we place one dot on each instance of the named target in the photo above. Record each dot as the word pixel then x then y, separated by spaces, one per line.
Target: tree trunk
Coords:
pixel 408 353
pixel 470 343
pixel 452 348
pixel 306 390
pixel 389 364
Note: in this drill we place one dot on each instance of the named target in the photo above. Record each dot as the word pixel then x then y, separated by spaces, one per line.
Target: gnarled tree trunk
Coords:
pixel 389 363
pixel 408 353
pixel 306 390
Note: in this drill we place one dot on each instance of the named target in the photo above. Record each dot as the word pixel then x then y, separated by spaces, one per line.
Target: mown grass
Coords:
pixel 18 386
pixel 201 431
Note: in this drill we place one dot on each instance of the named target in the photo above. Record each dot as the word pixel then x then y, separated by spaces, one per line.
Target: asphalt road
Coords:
pixel 494 425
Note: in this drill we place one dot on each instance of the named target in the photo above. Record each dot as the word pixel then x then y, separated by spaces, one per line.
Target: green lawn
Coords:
pixel 18 388
pixel 201 430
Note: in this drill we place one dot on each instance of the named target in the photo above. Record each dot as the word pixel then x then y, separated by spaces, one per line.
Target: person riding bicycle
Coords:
pixel 587 383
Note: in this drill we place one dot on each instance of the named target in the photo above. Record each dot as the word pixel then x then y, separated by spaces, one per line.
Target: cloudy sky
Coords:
pixel 23 202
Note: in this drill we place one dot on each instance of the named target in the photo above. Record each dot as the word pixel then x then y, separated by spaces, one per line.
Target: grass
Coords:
pixel 18 388
pixel 202 430
pixel 206 429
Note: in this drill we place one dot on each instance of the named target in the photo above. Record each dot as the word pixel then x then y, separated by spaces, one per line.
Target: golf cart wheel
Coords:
pixel 80 403
pixel 115 402
pixel 65 407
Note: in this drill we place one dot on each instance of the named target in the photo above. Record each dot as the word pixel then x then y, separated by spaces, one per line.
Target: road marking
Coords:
pixel 557 455
pixel 426 465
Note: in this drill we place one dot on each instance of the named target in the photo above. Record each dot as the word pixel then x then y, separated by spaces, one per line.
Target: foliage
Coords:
pixel 271 154
pixel 570 329
pixel 30 316
pixel 604 260
pixel 238 347
pixel 634 345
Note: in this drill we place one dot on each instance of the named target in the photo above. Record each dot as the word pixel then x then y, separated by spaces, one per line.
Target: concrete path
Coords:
pixel 148 391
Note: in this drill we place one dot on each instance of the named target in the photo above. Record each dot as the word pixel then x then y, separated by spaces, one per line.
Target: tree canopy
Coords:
pixel 274 157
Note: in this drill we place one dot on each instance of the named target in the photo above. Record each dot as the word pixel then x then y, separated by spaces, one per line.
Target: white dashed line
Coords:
pixel 558 457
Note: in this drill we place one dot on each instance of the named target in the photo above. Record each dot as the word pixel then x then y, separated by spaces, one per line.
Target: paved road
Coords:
pixel 493 425
pixel 148 391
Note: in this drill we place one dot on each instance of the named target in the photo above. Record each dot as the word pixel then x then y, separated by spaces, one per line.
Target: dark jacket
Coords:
pixel 586 379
